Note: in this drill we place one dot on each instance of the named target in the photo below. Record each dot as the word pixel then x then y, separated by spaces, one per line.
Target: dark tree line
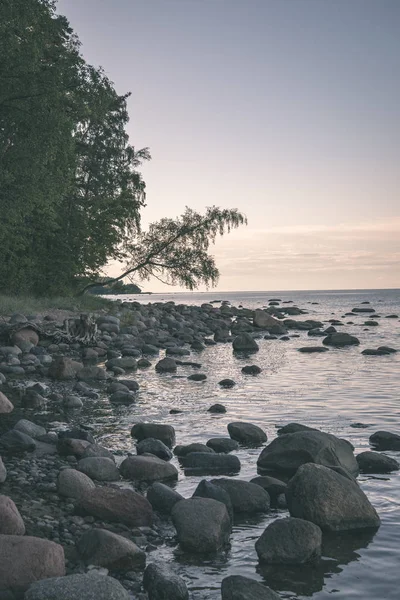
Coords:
pixel 70 189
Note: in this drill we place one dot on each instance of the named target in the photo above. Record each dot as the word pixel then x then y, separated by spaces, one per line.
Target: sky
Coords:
pixel 286 109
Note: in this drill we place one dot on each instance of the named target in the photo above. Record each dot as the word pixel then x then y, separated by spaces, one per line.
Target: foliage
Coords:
pixel 117 288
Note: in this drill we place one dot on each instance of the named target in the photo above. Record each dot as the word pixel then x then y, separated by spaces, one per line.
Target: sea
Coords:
pixel 331 391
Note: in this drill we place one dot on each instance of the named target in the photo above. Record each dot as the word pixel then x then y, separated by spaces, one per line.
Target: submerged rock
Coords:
pixel 247 433
pixel 290 541
pixel 375 462
pixel 225 445
pixel 244 342
pixel 237 587
pixel 210 462
pixel 202 524
pixel 340 340
pixel 385 440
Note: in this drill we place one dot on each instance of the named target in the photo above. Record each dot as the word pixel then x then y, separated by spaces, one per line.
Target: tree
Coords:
pixel 176 251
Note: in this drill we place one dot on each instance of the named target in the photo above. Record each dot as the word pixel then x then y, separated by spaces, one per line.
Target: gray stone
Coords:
pixel 189 448
pixel 207 489
pixel 290 541
pixel 30 429
pixel 125 362
pixel 251 370
pixel 3 471
pixel 106 549
pixel 120 505
pixel 147 468
pixel 166 365
pixel 385 440
pixel 121 397
pixel 72 402
pixel 375 462
pixel 165 433
pixel 11 522
pixel 224 445
pixel 99 468
pixel 210 463
pixel 153 446
pixel 161 583
pixel 5 405
pixel 331 501
pixel 73 484
pixel 245 497
pixel 273 486
pixel 87 587
pixel 217 408
pixel 237 587
pixel 340 340
pixel 202 524
pixel 96 450
pixel 247 433
pixel 15 442
pixel 245 342
pixel 162 497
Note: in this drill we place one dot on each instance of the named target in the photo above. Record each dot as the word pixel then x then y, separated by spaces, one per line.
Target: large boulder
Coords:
pixel 99 468
pixel 11 522
pixel 120 505
pixel 264 320
pixel 376 462
pixel 202 524
pixel 5 405
pixel 245 497
pixel 91 586
pixel 244 342
pixel 147 468
pixel 385 440
pixel 73 484
pixel 331 501
pixel 287 452
pixel 210 463
pixel 25 559
pixel 237 587
pixel 162 498
pixel 289 541
pixel 161 583
pixel 165 433
pixel 340 340
pixel 106 549
pixel 247 433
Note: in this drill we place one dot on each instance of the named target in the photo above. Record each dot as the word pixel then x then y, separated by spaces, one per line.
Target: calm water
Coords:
pixel 329 391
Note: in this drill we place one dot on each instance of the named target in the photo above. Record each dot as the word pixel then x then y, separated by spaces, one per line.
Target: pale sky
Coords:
pixel 286 109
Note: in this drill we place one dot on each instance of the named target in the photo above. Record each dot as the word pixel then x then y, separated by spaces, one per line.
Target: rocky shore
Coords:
pixel 81 520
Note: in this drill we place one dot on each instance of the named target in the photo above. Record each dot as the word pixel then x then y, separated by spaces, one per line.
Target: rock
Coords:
pixel 5 405
pixel 197 377
pixel 147 468
pixel 273 486
pixel 382 351
pixel 131 384
pixel 210 462
pixel 340 340
pixel 143 363
pixel 251 370
pixel 363 310
pixel 72 447
pixel 245 497
pixel 290 541
pixel 15 442
pixel 162 498
pixel 64 368
pixel 247 433
pixel 312 349
pixel 202 524
pixel 72 402
pixel 384 440
pixel 25 559
pixel 99 468
pixel 165 433
pixel 387 349
pixel 217 408
pixel 237 587
pixel 244 342
pixel 73 484
pixel 87 587
pixel 195 447
pixel 106 549
pixel 207 489
pixel 287 452
pixel 25 338
pixel 331 501
pixel 166 365
pixel 294 428
pixel 91 372
pixel 375 462
pixel 263 319
pixel 153 446
pixel 121 505
pixel 161 583
pixel 11 522
pixel 227 383
pixel 225 445
pixel 3 471
pixel 121 397
pixel 128 363
pixel 95 450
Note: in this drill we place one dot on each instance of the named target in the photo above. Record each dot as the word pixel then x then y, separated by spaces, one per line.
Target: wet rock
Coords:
pixel 14 442
pixel 165 433
pixel 128 363
pixel 202 524
pixel 384 440
pixel 273 486
pixel 161 583
pixel 251 370
pixel 217 408
pixel 382 351
pixel 207 489
pixel 331 501
pixel 363 310
pixel 166 365
pixel 143 363
pixel 121 505
pixel 99 468
pixel 25 559
pixel 153 446
pixel 375 462
pixel 210 462
pixel 106 549
pixel 197 377
pixel 5 405
pixel 245 497
pixel 294 428
pixel 11 522
pixel 87 587
pixel 247 433
pixel 312 349
pixel 121 397
pixel 224 445
pixel 227 383
pixel 263 320
pixel 162 498
pixel 287 452
pixel 340 340
pixel 189 448
pixel 237 587
pixel 244 342
pixel 73 484
pixel 290 541
pixel 147 468
pixel 131 384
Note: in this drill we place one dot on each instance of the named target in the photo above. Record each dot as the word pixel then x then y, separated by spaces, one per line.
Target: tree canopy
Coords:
pixel 71 192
